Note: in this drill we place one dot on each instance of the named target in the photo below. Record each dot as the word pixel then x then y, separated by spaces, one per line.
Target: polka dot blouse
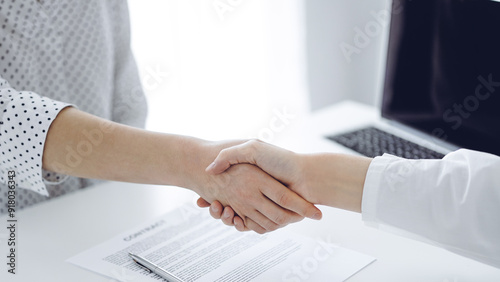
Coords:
pixel 55 54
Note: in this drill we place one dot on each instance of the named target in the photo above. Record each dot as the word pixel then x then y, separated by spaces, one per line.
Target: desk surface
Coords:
pixel 53 231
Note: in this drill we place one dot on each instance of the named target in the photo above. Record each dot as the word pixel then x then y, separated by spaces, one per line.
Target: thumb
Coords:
pixel 239 154
pixel 217 167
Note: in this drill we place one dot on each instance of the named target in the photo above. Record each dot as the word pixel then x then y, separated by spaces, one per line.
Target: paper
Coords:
pixel 195 247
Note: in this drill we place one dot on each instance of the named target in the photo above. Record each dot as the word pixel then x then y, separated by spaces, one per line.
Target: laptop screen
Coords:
pixel 443 70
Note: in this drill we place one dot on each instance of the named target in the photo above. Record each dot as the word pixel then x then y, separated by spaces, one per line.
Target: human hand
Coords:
pixel 262 203
pixel 282 164
pixel 330 179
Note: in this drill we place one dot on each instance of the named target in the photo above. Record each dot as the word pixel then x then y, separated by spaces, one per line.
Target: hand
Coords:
pixel 262 203
pixel 334 180
pixel 283 165
pixel 286 166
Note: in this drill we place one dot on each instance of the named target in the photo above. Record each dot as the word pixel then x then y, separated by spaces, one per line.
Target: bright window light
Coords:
pixel 219 69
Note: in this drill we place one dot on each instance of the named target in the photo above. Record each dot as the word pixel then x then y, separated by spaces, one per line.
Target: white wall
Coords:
pixel 335 75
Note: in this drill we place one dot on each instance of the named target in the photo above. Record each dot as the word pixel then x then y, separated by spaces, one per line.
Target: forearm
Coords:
pixel 335 180
pixel 83 145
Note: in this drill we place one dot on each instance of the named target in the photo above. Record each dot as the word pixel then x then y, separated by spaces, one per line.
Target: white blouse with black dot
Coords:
pixel 55 54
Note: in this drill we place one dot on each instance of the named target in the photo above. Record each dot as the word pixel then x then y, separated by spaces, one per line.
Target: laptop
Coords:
pixel 442 82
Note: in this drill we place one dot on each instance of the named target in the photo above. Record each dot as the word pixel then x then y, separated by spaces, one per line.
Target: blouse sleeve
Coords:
pixel 453 203
pixel 25 118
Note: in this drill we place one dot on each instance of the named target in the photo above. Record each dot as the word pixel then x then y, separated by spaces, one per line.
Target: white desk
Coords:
pixel 51 232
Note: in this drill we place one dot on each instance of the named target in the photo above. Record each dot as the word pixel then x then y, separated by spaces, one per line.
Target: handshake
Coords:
pixel 251 185
pixel 261 187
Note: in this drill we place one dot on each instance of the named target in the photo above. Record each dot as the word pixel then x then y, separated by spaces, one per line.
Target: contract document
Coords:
pixel 190 244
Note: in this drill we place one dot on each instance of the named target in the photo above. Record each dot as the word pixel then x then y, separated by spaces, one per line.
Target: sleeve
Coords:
pixel 25 118
pixel 129 102
pixel 453 203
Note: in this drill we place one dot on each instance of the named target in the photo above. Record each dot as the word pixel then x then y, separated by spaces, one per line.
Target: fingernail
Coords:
pixel 317 216
pixel 212 165
pixel 226 214
pixel 214 209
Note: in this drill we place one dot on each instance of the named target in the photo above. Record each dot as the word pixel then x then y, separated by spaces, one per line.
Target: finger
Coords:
pixel 252 225
pixel 243 153
pixel 261 220
pixel 239 224
pixel 216 210
pixel 288 199
pixel 202 203
pixel 279 215
pixel 228 216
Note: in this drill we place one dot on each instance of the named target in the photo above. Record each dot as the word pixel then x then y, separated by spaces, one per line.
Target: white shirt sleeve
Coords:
pixel 453 203
pixel 25 118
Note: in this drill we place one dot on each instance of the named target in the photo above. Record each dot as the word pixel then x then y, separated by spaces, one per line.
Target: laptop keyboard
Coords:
pixel 373 142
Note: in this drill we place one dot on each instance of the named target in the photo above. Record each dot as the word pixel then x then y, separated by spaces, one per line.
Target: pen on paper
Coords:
pixel 154 268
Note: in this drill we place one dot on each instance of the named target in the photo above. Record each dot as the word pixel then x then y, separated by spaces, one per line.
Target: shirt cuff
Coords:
pixel 25 124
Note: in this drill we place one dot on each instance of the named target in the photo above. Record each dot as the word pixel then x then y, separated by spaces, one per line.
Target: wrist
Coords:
pixel 197 155
pixel 317 178
pixel 336 180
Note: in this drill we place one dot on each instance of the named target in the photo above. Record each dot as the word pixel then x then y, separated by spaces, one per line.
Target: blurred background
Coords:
pixel 223 69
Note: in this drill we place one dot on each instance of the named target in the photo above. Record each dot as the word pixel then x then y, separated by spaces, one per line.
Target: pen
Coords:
pixel 154 268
